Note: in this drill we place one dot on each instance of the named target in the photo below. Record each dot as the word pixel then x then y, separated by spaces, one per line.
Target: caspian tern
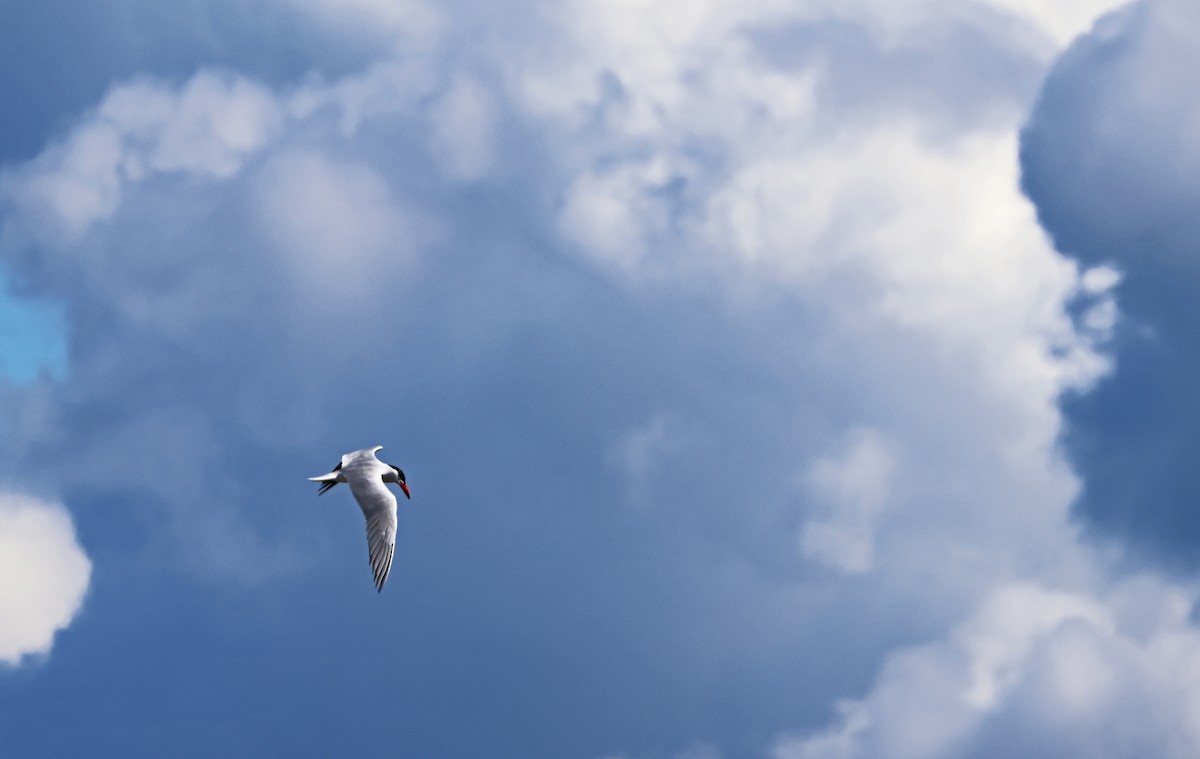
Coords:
pixel 368 478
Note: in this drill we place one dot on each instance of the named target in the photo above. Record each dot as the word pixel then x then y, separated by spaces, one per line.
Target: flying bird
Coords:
pixel 368 478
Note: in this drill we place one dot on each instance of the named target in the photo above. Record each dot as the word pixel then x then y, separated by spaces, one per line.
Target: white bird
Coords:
pixel 368 478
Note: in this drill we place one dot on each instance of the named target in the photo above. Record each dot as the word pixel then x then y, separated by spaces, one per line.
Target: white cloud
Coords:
pixel 927 228
pixel 1038 672
pixel 327 232
pixel 1063 20
pixel 337 224
pixel 897 232
pixel 617 214
pixel 46 575
pixel 850 490
pixel 208 127
pixel 998 639
pixel 933 335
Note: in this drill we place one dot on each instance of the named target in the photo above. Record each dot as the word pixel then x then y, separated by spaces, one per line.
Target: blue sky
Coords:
pixel 783 380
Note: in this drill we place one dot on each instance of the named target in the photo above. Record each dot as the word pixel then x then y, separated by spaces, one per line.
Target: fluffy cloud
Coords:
pixel 1035 672
pixel 46 575
pixel 791 297
pixel 1086 665
pixel 894 233
pixel 207 127
pixel 1107 157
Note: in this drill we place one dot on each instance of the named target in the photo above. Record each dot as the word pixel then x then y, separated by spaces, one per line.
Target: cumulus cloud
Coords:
pixel 935 253
pixel 1107 157
pixel 1039 673
pixel 1089 665
pixel 656 242
pixel 46 575
pixel 959 680
pixel 207 127
pixel 893 232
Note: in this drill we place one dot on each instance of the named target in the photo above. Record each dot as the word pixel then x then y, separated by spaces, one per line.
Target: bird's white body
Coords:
pixel 367 477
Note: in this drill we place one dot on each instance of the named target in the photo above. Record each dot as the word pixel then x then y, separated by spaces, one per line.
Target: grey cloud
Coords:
pixel 1109 159
pixel 1108 154
pixel 218 357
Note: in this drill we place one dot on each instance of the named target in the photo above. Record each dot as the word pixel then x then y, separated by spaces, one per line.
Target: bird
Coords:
pixel 368 478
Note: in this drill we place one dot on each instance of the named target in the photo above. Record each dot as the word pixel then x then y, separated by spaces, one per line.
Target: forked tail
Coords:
pixel 328 480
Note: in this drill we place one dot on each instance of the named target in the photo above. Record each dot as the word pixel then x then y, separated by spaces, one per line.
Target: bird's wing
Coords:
pixel 365 455
pixel 379 507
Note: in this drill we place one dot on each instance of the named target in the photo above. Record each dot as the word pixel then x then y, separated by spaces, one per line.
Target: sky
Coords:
pixel 773 379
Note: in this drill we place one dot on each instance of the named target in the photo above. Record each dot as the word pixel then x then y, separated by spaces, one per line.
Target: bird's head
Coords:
pixel 398 478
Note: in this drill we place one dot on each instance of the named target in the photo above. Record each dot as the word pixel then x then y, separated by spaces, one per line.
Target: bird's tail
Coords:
pixel 327 481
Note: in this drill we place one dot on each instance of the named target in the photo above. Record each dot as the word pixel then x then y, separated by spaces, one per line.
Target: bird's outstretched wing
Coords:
pixel 378 505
